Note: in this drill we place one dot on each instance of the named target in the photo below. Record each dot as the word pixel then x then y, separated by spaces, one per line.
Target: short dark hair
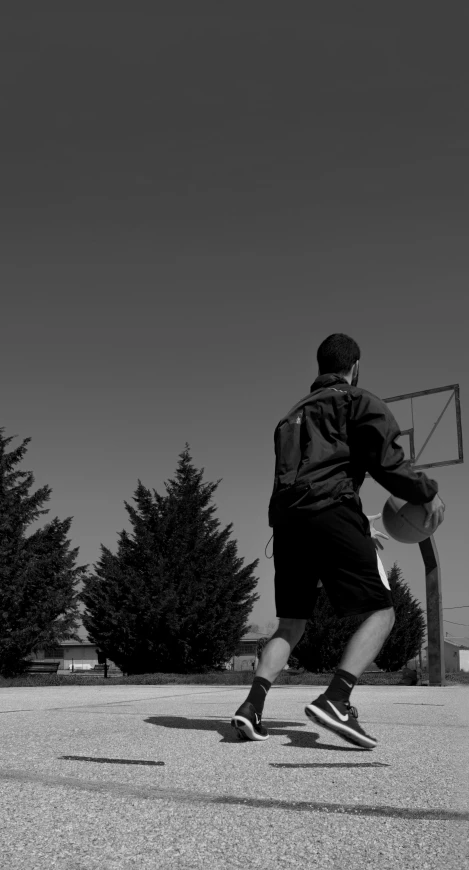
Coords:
pixel 337 354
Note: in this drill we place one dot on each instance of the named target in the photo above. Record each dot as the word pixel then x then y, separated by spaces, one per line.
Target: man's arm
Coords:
pixel 373 446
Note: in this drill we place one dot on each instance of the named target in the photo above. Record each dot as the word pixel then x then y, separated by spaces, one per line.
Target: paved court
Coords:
pixel 103 778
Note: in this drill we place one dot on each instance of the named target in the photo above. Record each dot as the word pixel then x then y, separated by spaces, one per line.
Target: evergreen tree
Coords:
pixel 38 598
pixel 408 631
pixel 175 598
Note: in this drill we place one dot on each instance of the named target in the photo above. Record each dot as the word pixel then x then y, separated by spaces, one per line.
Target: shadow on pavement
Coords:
pixel 334 764
pixel 112 760
pixel 300 739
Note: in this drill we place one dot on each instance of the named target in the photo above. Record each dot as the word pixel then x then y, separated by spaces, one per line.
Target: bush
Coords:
pixel 226 678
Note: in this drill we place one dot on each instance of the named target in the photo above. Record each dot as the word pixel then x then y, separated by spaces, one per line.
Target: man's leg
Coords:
pixel 332 709
pixel 365 644
pixel 247 719
pixel 279 648
pixel 360 652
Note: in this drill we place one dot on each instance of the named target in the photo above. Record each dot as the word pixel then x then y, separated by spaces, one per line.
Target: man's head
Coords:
pixel 339 354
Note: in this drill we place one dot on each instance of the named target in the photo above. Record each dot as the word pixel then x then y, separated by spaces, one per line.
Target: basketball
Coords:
pixel 404 521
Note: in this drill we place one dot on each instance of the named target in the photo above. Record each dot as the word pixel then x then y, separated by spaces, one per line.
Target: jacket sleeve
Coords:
pixel 372 438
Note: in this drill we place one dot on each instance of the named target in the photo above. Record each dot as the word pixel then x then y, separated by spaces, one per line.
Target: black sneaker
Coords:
pixel 341 717
pixel 248 724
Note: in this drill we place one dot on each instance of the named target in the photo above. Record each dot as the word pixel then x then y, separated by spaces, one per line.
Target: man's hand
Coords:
pixel 375 534
pixel 435 512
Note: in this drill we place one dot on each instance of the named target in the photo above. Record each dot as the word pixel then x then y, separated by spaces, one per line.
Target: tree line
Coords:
pixel 175 597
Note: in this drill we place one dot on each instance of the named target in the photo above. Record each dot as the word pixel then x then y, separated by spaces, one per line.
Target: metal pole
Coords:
pixel 423 393
pixel 435 634
pixel 458 423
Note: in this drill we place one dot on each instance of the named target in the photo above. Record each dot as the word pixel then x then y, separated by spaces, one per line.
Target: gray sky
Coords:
pixel 190 203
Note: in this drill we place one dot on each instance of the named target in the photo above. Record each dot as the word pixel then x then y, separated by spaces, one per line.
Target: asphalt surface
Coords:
pixel 154 776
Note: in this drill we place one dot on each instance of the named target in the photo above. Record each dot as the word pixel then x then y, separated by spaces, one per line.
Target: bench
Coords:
pixel 106 670
pixel 42 667
pixel 111 669
pixel 93 671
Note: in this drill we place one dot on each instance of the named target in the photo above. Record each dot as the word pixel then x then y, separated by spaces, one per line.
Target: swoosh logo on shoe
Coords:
pixel 347 684
pixel 339 715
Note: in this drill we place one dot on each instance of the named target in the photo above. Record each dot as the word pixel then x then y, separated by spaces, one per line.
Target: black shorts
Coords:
pixel 333 546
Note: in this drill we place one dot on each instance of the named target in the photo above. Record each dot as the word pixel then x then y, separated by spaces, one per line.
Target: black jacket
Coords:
pixel 328 441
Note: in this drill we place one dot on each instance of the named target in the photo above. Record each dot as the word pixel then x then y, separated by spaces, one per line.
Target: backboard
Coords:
pixel 430 424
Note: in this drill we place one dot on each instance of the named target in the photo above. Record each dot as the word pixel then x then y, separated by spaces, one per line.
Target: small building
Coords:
pixel 75 656
pixel 71 655
pixel 451 657
pixel 245 657
pixel 464 660
pixel 456 658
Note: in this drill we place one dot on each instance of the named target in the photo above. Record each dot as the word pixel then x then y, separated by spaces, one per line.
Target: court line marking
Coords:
pixel 108 703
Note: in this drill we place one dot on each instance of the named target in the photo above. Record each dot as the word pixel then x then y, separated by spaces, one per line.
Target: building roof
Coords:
pixel 451 643
pixel 253 635
pixel 249 636
pixel 76 643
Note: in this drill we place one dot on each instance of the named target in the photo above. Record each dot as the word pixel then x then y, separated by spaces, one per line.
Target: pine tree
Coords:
pixel 175 598
pixel 408 631
pixel 38 596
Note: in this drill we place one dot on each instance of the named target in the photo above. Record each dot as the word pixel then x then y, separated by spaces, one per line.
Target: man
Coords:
pixel 324 447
